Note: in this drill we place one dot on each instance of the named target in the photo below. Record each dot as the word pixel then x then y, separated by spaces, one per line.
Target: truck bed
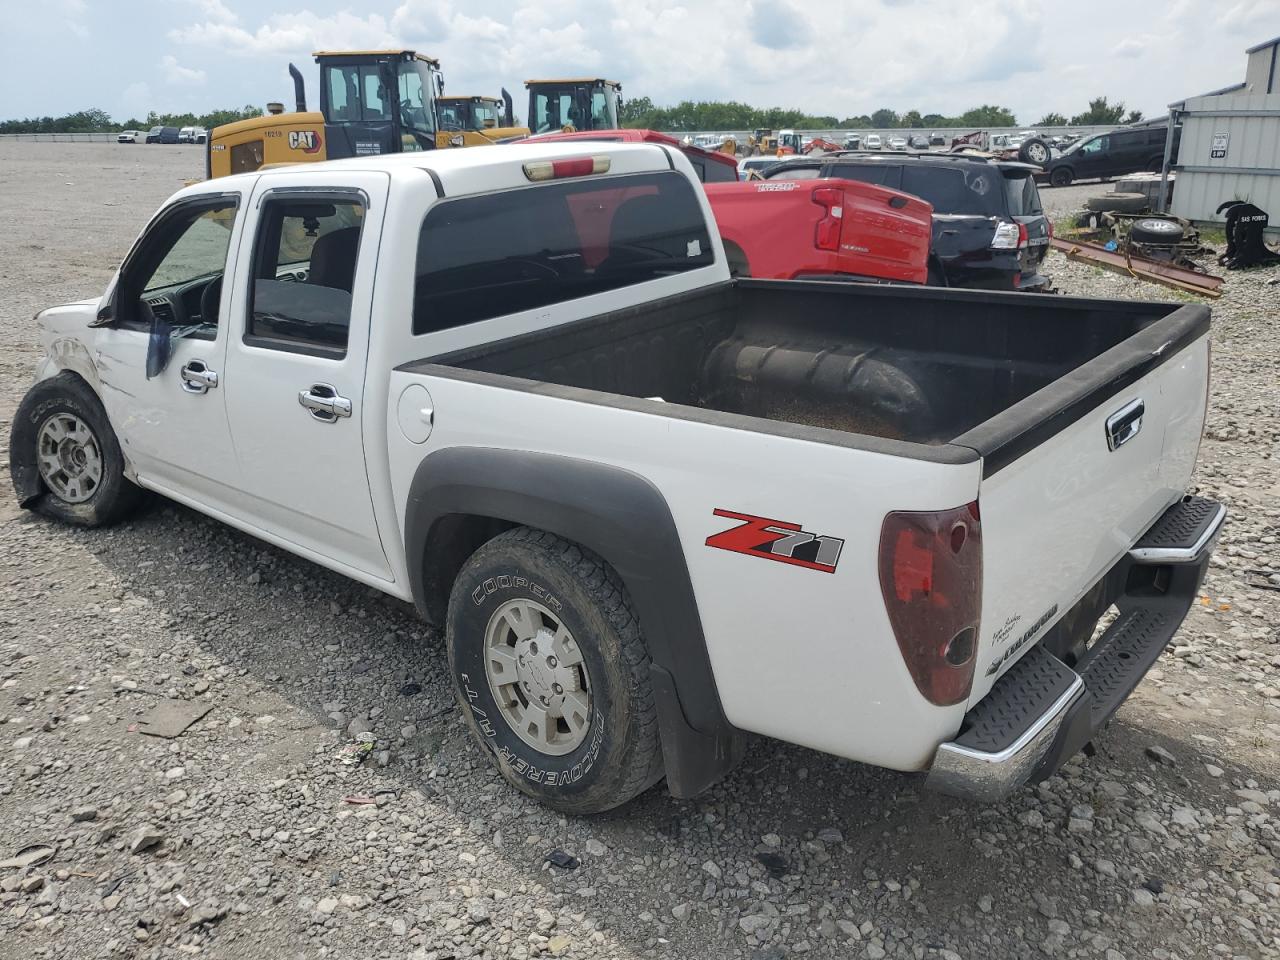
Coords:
pixel 947 372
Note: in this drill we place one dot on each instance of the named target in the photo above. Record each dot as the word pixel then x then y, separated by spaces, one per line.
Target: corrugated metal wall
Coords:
pixel 1251 168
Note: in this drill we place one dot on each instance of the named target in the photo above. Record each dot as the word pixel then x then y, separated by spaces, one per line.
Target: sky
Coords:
pixel 837 57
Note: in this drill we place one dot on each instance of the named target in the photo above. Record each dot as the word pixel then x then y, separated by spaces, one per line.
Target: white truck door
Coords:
pixel 296 362
pixel 171 419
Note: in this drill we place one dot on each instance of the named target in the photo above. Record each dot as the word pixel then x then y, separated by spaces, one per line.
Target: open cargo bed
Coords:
pixel 950 372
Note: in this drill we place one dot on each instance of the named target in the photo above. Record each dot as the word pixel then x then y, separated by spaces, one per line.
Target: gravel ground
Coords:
pixel 240 838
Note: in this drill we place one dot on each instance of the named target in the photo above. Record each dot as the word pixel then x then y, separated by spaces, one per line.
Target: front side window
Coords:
pixel 344 93
pixel 305 259
pixel 374 93
pixel 1096 145
pixel 496 254
pixel 181 258
pixel 600 113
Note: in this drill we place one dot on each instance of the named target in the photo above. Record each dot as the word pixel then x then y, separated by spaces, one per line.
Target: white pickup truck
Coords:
pixel 654 509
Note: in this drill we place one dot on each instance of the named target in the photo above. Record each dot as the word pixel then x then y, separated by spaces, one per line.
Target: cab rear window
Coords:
pixel 495 254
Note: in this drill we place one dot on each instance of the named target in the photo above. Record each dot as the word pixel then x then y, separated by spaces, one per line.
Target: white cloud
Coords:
pixel 174 72
pixel 136 99
pixel 824 56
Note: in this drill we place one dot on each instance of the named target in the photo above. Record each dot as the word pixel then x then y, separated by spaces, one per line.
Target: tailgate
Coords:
pixel 1076 472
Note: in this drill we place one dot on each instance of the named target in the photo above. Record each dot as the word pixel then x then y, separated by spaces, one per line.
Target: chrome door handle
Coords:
pixel 197 377
pixel 321 400
pixel 1124 424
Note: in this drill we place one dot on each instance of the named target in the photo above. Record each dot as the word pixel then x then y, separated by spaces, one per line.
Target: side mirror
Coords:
pixel 107 305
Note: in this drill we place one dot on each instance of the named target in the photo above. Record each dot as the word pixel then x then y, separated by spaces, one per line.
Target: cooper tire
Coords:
pixel 1118 203
pixel 1061 177
pixel 1034 150
pixel 1156 230
pixel 564 590
pixel 91 493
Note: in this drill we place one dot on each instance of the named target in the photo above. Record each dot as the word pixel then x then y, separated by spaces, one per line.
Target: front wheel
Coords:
pixel 552 673
pixel 1061 177
pixel 65 458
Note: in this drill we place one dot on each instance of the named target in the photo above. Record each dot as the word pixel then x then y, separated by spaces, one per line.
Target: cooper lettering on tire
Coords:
pixel 552 673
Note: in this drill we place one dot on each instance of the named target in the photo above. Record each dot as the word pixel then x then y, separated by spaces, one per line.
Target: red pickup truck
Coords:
pixel 792 229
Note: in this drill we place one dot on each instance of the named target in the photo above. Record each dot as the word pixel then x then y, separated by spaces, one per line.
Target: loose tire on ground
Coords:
pixel 62 445
pixel 1118 203
pixel 1061 177
pixel 1156 230
pixel 524 593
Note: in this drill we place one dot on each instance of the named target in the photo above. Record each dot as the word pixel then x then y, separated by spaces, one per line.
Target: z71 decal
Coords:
pixel 776 540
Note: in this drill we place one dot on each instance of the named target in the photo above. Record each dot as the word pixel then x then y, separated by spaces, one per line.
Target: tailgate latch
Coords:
pixel 1124 424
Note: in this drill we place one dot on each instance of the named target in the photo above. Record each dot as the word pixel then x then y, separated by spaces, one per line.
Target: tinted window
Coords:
pixel 486 256
pixel 304 270
pixel 712 171
pixel 795 173
pixel 955 189
pixel 1022 196
pixel 882 174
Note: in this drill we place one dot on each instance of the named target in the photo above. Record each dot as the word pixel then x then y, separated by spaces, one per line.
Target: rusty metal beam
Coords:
pixel 1140 268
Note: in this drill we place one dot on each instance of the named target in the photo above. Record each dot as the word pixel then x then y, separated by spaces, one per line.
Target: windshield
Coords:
pixel 417 97
pixel 584 108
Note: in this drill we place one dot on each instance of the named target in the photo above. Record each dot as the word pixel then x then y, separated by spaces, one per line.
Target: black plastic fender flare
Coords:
pixel 622 517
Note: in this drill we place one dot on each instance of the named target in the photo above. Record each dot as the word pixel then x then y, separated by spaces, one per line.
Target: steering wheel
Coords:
pixel 209 300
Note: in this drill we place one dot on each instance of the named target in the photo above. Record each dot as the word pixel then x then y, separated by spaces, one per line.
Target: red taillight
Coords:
pixel 931 578
pixel 1050 222
pixel 568 167
pixel 827 234
pixel 1022 235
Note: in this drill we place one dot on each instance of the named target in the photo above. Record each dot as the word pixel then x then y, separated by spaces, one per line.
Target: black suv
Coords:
pixel 989 230
pixel 1113 154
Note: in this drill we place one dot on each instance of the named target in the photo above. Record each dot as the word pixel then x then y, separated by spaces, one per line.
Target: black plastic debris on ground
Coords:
pixel 565 861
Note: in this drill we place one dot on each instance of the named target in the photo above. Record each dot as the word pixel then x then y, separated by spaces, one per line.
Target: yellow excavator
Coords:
pixel 566 106
pixel 371 102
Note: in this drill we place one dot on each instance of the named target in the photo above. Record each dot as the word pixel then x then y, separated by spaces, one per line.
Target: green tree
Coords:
pixel 1135 116
pixel 936 120
pixel 987 116
pixel 633 110
pixel 1052 120
pixel 884 118
pixel 1100 112
pixel 912 120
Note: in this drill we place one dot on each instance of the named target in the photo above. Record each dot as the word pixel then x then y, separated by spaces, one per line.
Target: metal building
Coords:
pixel 1230 142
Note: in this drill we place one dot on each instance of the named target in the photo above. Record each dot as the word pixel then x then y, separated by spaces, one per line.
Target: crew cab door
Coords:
pixel 296 364
pixel 160 358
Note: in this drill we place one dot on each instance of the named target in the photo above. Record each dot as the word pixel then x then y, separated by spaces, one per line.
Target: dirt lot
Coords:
pixel 1162 845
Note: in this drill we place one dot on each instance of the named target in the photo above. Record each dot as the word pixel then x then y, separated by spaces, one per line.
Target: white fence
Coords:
pixel 63 137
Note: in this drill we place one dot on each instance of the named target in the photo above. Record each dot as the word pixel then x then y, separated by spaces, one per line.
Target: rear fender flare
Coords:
pixel 622 517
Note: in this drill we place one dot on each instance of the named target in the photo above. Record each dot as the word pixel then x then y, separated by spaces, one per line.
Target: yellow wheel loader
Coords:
pixel 477 118
pixel 371 101
pixel 569 105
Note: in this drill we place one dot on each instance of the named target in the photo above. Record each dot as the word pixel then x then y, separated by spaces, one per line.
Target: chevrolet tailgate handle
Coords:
pixel 1124 424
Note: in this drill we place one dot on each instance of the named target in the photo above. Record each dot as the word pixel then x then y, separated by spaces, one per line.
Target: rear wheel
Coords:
pixel 1061 177
pixel 61 436
pixel 552 673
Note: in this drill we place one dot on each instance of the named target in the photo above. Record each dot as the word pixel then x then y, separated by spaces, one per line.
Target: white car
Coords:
pixel 748 165
pixel 128 136
pixel 871 141
pixel 897 143
pixel 192 135
pixel 653 509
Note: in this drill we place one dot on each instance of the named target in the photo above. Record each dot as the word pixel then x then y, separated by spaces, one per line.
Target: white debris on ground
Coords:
pixel 246 836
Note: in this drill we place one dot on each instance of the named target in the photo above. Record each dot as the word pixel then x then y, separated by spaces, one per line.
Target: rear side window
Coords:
pixel 795 173
pixel 881 174
pixel 1022 195
pixel 955 189
pixel 495 254
pixel 304 268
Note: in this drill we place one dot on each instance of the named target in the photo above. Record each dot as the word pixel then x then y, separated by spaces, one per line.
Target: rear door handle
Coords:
pixel 197 377
pixel 1124 424
pixel 321 400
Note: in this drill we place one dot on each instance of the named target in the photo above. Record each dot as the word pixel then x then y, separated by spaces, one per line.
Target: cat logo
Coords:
pixel 308 141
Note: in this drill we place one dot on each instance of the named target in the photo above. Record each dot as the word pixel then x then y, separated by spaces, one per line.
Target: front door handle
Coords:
pixel 1124 424
pixel 321 400
pixel 197 377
